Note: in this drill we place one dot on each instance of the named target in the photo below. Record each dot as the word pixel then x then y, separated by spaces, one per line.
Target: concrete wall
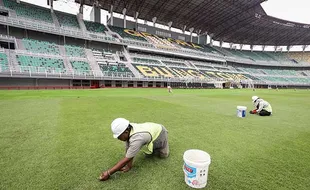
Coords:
pixel 16 32
pixel 53 82
pixel 33 82
pixel 17 82
pixel 44 37
pixel 95 14
pixel 3 29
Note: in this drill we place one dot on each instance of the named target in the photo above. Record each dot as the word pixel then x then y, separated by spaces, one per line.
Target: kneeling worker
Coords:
pixel 262 107
pixel 151 137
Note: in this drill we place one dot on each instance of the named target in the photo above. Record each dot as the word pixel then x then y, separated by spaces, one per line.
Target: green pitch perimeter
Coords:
pixel 62 139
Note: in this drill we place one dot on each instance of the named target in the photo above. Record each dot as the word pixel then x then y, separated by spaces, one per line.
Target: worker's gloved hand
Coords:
pixel 253 112
pixel 104 176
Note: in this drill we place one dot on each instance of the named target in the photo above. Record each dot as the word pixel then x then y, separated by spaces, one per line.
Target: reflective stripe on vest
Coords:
pixel 153 129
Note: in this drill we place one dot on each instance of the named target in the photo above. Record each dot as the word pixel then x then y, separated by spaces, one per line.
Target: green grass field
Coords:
pixel 62 139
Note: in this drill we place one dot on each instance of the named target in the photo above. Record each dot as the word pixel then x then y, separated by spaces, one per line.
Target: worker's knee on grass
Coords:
pixel 164 155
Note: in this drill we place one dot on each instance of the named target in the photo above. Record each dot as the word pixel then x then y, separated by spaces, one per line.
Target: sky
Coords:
pixel 292 10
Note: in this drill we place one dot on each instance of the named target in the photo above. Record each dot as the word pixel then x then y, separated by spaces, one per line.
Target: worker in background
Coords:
pixel 152 138
pixel 169 89
pixel 262 107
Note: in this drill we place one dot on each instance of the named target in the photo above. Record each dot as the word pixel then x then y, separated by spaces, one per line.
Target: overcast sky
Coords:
pixel 292 10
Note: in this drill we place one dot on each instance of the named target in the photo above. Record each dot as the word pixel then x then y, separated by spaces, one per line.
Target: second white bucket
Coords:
pixel 196 167
pixel 241 111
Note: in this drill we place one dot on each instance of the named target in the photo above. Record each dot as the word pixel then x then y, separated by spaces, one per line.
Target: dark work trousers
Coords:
pixel 264 113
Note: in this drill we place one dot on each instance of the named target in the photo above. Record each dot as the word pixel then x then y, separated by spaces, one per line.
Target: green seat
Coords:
pixel 4 64
pixel 43 47
pixel 95 27
pixel 40 64
pixel 75 51
pixel 124 34
pixel 174 64
pixel 145 60
pixel 67 20
pixel 119 70
pixel 81 67
pixel 29 11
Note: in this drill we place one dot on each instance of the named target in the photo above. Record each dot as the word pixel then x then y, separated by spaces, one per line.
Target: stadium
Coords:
pixel 63 79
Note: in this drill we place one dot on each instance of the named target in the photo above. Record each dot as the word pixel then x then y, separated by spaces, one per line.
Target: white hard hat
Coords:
pixel 118 126
pixel 254 98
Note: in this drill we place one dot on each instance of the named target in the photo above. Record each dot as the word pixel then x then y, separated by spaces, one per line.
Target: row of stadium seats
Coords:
pixel 116 70
pixel 41 14
pixel 43 47
pixel 290 80
pixel 156 57
pixel 160 42
pixel 67 20
pixel 33 63
pixel 95 27
pixel 37 46
pixel 53 65
pixel 41 64
pixel 124 34
pixel 303 57
pixel 257 55
pixel 146 60
pixel 101 54
pixel 282 72
pixel 160 71
pixel 222 68
pixel 205 67
pixel 3 62
pixel 80 66
pixel 75 51
pixel 29 11
pixel 174 64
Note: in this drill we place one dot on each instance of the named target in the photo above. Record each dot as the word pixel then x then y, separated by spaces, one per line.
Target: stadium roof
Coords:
pixel 235 21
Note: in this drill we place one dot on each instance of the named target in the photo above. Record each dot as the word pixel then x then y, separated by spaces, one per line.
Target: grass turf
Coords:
pixel 62 139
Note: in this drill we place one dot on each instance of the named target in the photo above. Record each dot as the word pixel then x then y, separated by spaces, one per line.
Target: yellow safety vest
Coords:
pixel 153 129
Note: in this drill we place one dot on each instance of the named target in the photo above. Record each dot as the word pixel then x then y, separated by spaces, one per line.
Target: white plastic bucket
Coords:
pixel 196 167
pixel 241 111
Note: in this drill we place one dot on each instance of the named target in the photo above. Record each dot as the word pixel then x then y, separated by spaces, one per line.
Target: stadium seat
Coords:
pixel 37 46
pixel 279 56
pixel 302 57
pixel 145 60
pixel 174 64
pixel 123 34
pixel 4 64
pixel 116 70
pixel 210 49
pixel 95 27
pixel 40 64
pixel 67 20
pixel 29 11
pixel 74 51
pixel 160 42
pixel 81 67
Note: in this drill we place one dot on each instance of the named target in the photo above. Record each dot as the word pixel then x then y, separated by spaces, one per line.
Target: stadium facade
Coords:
pixel 44 48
